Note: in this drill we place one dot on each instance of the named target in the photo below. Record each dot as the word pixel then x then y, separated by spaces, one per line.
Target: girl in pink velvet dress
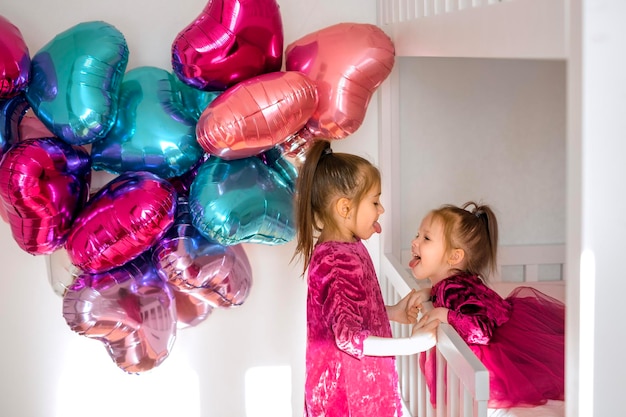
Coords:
pixel 350 363
pixel 520 339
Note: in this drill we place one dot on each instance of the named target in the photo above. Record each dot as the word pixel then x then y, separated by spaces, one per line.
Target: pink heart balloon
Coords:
pixel 14 60
pixel 123 220
pixel 347 62
pixel 230 41
pixel 219 275
pixel 256 115
pixel 129 309
pixel 43 185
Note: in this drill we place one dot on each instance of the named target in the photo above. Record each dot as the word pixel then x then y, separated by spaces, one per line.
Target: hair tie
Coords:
pixel 327 151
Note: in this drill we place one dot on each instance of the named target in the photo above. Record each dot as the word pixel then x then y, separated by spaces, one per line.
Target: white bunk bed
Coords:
pixel 481 29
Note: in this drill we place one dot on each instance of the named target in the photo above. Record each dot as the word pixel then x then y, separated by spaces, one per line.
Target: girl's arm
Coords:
pixel 423 337
pixel 473 310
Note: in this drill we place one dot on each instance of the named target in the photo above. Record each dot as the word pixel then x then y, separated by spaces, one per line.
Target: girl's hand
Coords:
pixel 440 314
pixel 407 309
pixel 425 332
pixel 422 296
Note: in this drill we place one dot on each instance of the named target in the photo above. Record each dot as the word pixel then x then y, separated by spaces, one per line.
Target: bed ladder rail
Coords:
pixel 467 379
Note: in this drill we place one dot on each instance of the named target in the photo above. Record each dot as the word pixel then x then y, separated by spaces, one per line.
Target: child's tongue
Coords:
pixel 377 227
pixel 414 261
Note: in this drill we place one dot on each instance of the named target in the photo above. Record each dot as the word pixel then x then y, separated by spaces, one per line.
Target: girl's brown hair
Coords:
pixel 323 178
pixel 473 228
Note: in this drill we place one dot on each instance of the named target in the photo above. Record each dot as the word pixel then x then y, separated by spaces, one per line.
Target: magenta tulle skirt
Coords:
pixel 526 355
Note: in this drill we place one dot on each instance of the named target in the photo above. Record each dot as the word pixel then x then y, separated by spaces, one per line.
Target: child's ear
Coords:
pixel 342 206
pixel 457 256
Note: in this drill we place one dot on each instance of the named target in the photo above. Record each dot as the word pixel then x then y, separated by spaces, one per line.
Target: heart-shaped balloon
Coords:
pixel 129 309
pixel 241 201
pixel 75 81
pixel 44 183
pixel 14 60
pixel 347 62
pixel 256 114
pixel 155 130
pixel 230 41
pixel 190 262
pixel 121 221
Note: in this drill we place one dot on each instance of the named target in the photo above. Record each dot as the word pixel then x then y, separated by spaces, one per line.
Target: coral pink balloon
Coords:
pixel 347 62
pixel 256 115
pixel 14 60
pixel 43 185
pixel 123 220
pixel 129 309
pixel 230 41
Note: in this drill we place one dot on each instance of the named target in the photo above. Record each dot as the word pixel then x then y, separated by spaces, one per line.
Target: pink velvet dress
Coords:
pixel 520 339
pixel 344 306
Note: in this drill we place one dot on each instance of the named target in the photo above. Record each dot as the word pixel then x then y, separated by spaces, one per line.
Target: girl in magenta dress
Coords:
pixel 350 356
pixel 520 339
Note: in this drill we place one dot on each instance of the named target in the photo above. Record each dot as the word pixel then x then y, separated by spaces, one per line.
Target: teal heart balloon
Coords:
pixel 75 80
pixel 155 130
pixel 242 201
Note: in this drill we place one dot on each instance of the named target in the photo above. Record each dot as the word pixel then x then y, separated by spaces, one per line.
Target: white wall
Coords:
pixel 49 371
pixel 490 130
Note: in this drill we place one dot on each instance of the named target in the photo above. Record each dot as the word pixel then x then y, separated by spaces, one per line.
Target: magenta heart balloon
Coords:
pixel 256 115
pixel 220 275
pixel 129 309
pixel 230 41
pixel 347 62
pixel 14 60
pixel 44 183
pixel 121 221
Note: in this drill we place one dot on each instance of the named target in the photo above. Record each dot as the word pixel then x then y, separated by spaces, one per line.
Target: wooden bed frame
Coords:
pixel 467 380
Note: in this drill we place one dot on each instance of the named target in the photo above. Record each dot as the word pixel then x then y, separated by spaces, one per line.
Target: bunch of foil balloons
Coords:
pixel 201 159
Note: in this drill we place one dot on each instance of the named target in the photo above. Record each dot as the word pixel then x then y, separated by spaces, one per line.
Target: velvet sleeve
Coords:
pixel 474 310
pixel 345 296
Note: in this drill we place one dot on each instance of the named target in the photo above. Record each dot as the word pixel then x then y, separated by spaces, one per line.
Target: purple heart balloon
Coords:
pixel 44 183
pixel 129 309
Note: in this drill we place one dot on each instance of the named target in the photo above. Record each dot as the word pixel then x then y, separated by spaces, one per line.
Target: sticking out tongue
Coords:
pixel 377 227
pixel 414 261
